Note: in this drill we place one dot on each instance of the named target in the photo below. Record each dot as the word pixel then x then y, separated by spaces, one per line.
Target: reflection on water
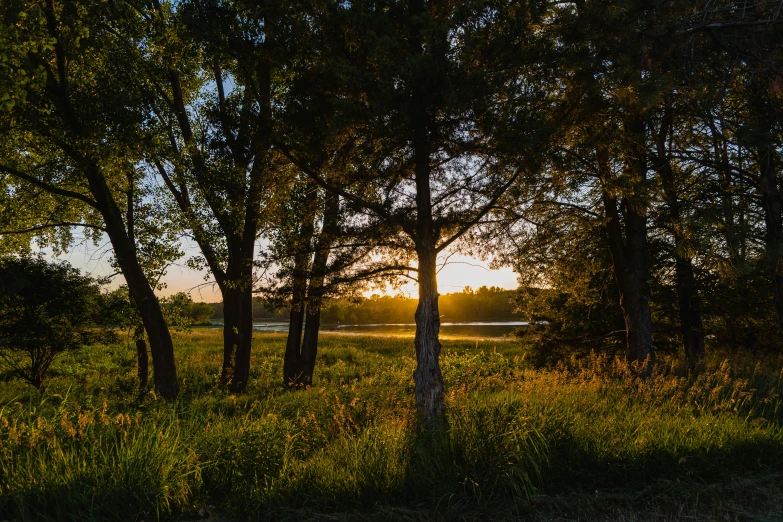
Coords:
pixel 270 327
pixel 497 329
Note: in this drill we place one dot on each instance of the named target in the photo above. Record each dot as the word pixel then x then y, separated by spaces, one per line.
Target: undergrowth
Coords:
pixel 582 440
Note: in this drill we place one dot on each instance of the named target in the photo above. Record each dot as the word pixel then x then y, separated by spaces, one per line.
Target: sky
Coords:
pixel 459 271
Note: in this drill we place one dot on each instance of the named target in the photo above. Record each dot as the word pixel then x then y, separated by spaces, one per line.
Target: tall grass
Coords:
pixel 580 440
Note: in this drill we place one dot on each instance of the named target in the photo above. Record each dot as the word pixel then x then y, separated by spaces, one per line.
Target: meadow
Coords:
pixel 580 441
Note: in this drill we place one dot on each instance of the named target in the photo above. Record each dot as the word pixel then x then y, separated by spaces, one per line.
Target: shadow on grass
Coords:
pixel 492 462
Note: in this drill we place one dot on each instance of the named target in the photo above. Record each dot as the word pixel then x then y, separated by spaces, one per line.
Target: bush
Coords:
pixel 45 309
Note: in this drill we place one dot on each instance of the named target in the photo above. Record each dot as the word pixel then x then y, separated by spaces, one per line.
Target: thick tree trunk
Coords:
pixel 244 340
pixel 691 325
pixel 143 362
pixel 772 203
pixel 231 302
pixel 292 372
pixel 634 299
pixel 427 376
pixel 240 274
pixel 629 261
pixel 161 347
pixel 310 344
pixel 251 225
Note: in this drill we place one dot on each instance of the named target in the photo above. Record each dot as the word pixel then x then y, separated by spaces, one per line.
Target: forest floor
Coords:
pixel 582 441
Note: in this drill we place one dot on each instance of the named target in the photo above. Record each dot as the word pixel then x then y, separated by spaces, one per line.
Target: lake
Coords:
pixel 488 329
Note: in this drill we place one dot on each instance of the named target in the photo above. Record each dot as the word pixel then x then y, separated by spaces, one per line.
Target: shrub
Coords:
pixel 45 309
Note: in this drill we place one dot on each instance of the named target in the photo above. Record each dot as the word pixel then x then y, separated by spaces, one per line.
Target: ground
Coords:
pixel 583 441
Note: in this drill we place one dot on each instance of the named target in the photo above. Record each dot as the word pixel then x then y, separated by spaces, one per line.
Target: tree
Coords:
pixel 748 40
pixel 213 148
pixel 46 309
pixel 76 140
pixel 317 256
pixel 617 68
pixel 179 310
pixel 182 312
pixel 422 90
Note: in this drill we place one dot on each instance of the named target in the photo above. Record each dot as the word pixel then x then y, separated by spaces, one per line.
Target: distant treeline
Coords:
pixel 482 304
pixel 260 312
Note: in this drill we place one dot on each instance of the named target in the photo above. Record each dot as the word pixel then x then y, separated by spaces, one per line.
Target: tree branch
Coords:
pixel 51 225
pixel 377 209
pixel 483 212
pixel 54 189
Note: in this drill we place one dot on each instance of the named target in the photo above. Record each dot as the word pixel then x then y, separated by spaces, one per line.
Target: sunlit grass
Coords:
pixel 580 441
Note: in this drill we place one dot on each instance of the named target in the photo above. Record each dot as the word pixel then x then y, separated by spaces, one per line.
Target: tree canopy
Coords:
pixel 623 157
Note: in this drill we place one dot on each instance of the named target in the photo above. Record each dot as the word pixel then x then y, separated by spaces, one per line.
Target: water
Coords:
pixel 488 329
pixel 493 329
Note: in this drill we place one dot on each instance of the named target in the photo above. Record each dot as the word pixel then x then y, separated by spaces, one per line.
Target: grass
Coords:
pixel 582 441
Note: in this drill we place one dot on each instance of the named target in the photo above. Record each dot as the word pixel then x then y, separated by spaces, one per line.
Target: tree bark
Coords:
pixel 231 301
pixel 772 203
pixel 252 222
pixel 241 268
pixel 292 371
pixel 310 344
pixel 161 346
pixel 244 339
pixel 315 291
pixel 291 367
pixel 635 299
pixel 691 325
pixel 427 375
pixel 630 265
pixel 143 361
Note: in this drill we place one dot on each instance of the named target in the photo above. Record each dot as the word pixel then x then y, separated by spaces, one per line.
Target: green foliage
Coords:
pixel 582 438
pixel 179 310
pixel 46 308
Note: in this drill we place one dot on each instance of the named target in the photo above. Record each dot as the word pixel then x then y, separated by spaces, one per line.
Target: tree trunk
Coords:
pixel 251 225
pixel 122 243
pixel 310 344
pixel 315 292
pixel 240 274
pixel 245 339
pixel 629 261
pixel 634 299
pixel 231 302
pixel 691 326
pixel 427 375
pixel 161 346
pixel 292 370
pixel 291 367
pixel 143 361
pixel 772 204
